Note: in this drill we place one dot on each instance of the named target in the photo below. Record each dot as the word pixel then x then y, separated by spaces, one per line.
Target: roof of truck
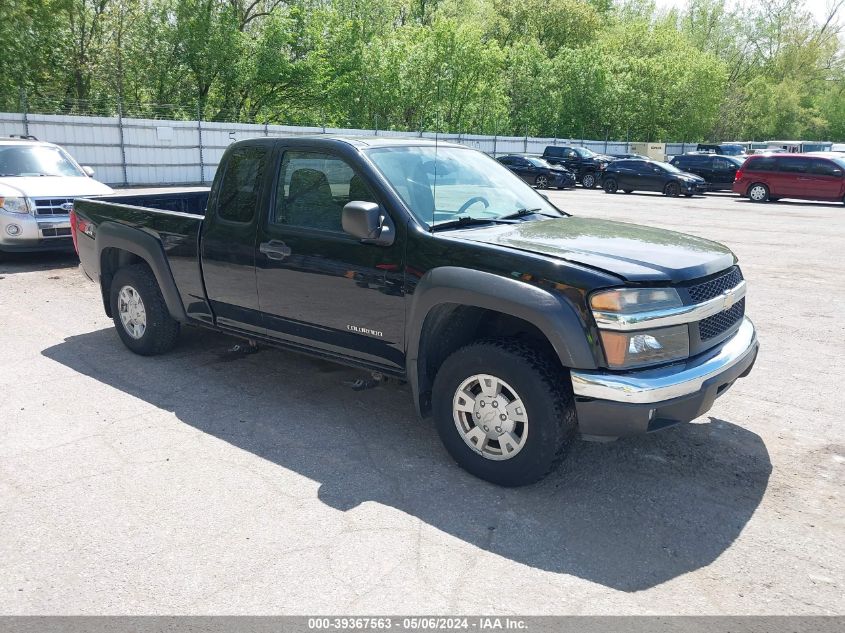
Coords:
pixel 363 141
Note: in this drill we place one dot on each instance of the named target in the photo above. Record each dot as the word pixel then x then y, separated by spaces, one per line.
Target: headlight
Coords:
pixel 15 205
pixel 638 347
pixel 634 300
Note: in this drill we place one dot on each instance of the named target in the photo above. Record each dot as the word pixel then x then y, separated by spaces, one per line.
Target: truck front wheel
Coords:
pixel 139 312
pixel 503 411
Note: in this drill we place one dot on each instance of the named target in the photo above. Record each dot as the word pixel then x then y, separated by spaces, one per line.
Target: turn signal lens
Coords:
pixel 645 347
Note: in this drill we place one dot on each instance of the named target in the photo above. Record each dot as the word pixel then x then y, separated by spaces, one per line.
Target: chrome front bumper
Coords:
pixel 614 404
pixel 33 232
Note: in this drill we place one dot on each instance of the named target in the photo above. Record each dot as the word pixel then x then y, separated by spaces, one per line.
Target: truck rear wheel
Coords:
pixel 139 312
pixel 503 411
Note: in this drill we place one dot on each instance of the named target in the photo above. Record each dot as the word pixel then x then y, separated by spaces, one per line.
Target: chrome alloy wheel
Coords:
pixel 757 193
pixel 490 417
pixel 132 312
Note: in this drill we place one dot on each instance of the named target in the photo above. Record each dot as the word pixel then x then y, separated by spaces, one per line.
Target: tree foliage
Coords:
pixel 568 68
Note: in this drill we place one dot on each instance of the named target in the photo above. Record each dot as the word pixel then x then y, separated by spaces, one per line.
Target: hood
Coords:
pixel 54 186
pixel 635 253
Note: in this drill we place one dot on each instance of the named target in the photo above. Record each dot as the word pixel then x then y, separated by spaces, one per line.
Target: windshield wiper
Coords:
pixel 520 213
pixel 465 220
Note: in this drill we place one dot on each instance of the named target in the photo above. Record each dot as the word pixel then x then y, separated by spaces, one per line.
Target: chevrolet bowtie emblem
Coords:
pixel 729 299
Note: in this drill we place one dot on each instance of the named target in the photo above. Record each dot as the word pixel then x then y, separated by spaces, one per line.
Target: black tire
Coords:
pixel 688 195
pixel 628 190
pixel 672 189
pixel 539 381
pixel 161 330
pixel 610 185
pixel 588 180
pixel 541 182
pixel 758 192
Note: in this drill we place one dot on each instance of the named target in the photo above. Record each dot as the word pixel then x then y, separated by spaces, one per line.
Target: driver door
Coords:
pixel 652 177
pixel 318 286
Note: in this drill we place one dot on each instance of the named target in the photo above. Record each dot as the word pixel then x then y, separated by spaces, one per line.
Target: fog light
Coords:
pixel 13 229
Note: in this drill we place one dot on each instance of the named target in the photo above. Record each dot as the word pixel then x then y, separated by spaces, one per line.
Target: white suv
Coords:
pixel 38 182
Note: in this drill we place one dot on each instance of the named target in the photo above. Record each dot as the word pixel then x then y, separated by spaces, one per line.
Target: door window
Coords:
pixel 313 188
pixel 824 168
pixel 241 184
pixel 794 165
pixel 721 164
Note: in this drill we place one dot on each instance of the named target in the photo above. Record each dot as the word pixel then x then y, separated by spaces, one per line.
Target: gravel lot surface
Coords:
pixel 201 483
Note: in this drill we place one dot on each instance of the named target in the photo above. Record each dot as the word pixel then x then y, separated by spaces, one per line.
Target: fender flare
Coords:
pixel 552 314
pixel 149 249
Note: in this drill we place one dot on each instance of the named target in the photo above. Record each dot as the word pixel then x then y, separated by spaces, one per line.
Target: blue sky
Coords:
pixel 817 7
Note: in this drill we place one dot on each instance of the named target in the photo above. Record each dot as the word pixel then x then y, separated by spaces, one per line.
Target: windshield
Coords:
pixel 538 162
pixel 442 184
pixel 36 160
pixel 583 152
pixel 670 168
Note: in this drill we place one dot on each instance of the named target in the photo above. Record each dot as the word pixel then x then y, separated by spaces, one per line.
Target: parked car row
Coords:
pixel 759 177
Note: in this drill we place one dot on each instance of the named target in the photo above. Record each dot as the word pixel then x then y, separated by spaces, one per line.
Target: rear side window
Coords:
pixel 551 150
pixel 723 164
pixel 794 165
pixel 766 163
pixel 241 184
pixel 824 168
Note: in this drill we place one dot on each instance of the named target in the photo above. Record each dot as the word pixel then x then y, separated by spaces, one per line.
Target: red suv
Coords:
pixel 802 176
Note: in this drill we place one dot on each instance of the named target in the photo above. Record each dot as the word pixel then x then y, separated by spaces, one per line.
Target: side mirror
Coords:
pixel 368 222
pixel 837 172
pixel 88 171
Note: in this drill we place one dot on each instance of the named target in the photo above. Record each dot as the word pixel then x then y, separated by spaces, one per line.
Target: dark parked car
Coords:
pixel 584 163
pixel 535 171
pixel 802 176
pixel 719 171
pixel 725 149
pixel 650 175
pixel 514 324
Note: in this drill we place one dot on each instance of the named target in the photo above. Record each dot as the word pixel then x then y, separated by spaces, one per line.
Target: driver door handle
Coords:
pixel 275 249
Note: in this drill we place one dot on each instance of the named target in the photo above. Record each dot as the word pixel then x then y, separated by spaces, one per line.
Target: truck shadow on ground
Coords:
pixel 628 515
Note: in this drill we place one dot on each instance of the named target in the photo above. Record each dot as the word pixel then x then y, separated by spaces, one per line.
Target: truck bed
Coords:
pixel 167 220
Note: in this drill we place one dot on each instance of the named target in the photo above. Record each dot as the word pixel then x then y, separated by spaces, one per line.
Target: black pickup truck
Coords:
pixel 584 163
pixel 516 324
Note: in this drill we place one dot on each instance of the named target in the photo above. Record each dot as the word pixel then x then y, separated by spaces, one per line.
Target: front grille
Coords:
pixel 51 206
pixel 715 325
pixel 55 232
pixel 713 288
